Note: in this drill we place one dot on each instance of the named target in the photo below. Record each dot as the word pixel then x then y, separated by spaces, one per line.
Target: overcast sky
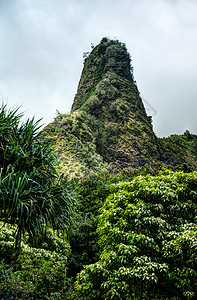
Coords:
pixel 42 44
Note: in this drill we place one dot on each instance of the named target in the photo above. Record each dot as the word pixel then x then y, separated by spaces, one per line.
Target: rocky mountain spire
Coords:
pixel 108 56
pixel 108 91
pixel 108 127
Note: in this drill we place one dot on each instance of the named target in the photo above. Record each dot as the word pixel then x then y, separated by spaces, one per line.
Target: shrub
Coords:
pixel 37 273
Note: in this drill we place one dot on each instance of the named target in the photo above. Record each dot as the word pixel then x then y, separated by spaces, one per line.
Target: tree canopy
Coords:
pixel 148 232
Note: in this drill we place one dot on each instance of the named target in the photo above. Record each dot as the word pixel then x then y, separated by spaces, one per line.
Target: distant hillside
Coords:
pixel 179 149
pixel 108 128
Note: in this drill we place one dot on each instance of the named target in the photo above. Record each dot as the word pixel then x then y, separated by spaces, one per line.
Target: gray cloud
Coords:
pixel 42 44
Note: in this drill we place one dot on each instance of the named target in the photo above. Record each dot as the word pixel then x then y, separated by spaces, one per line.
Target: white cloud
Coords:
pixel 42 44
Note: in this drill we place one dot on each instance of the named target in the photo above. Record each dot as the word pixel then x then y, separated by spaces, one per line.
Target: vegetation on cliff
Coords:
pixel 180 149
pixel 108 128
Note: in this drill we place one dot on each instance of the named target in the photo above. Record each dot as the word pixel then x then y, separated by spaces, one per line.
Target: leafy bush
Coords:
pixel 148 233
pixel 83 237
pixel 37 273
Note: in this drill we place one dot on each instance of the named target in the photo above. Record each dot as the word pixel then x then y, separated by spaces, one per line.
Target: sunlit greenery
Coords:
pixel 148 232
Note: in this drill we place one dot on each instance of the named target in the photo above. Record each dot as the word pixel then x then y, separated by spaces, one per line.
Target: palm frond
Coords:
pixel 31 195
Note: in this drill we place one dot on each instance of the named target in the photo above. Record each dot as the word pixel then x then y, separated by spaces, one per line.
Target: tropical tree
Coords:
pixel 148 233
pixel 32 195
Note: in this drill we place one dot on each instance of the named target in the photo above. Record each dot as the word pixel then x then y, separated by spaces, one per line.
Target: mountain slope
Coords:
pixel 180 149
pixel 108 128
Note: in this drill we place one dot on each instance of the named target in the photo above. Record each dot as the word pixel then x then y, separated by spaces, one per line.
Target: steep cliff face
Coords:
pixel 109 55
pixel 108 92
pixel 108 128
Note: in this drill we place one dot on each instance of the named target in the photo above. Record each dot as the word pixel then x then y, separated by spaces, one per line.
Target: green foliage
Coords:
pixel 92 193
pixel 118 59
pixel 148 232
pixel 38 273
pixel 83 240
pixel 180 149
pixel 32 196
pixel 83 237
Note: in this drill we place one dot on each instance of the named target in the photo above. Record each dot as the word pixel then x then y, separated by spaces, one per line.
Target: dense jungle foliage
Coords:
pixel 37 272
pixel 148 235
pixel 95 206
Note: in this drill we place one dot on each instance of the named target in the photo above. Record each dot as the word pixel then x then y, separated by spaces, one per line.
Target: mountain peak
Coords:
pixel 109 56
pixel 108 128
pixel 114 57
pixel 108 114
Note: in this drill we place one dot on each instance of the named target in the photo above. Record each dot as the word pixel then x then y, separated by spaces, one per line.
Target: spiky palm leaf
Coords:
pixel 31 195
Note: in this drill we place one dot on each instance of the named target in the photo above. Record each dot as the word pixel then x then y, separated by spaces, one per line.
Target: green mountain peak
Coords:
pixel 108 128
pixel 110 56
